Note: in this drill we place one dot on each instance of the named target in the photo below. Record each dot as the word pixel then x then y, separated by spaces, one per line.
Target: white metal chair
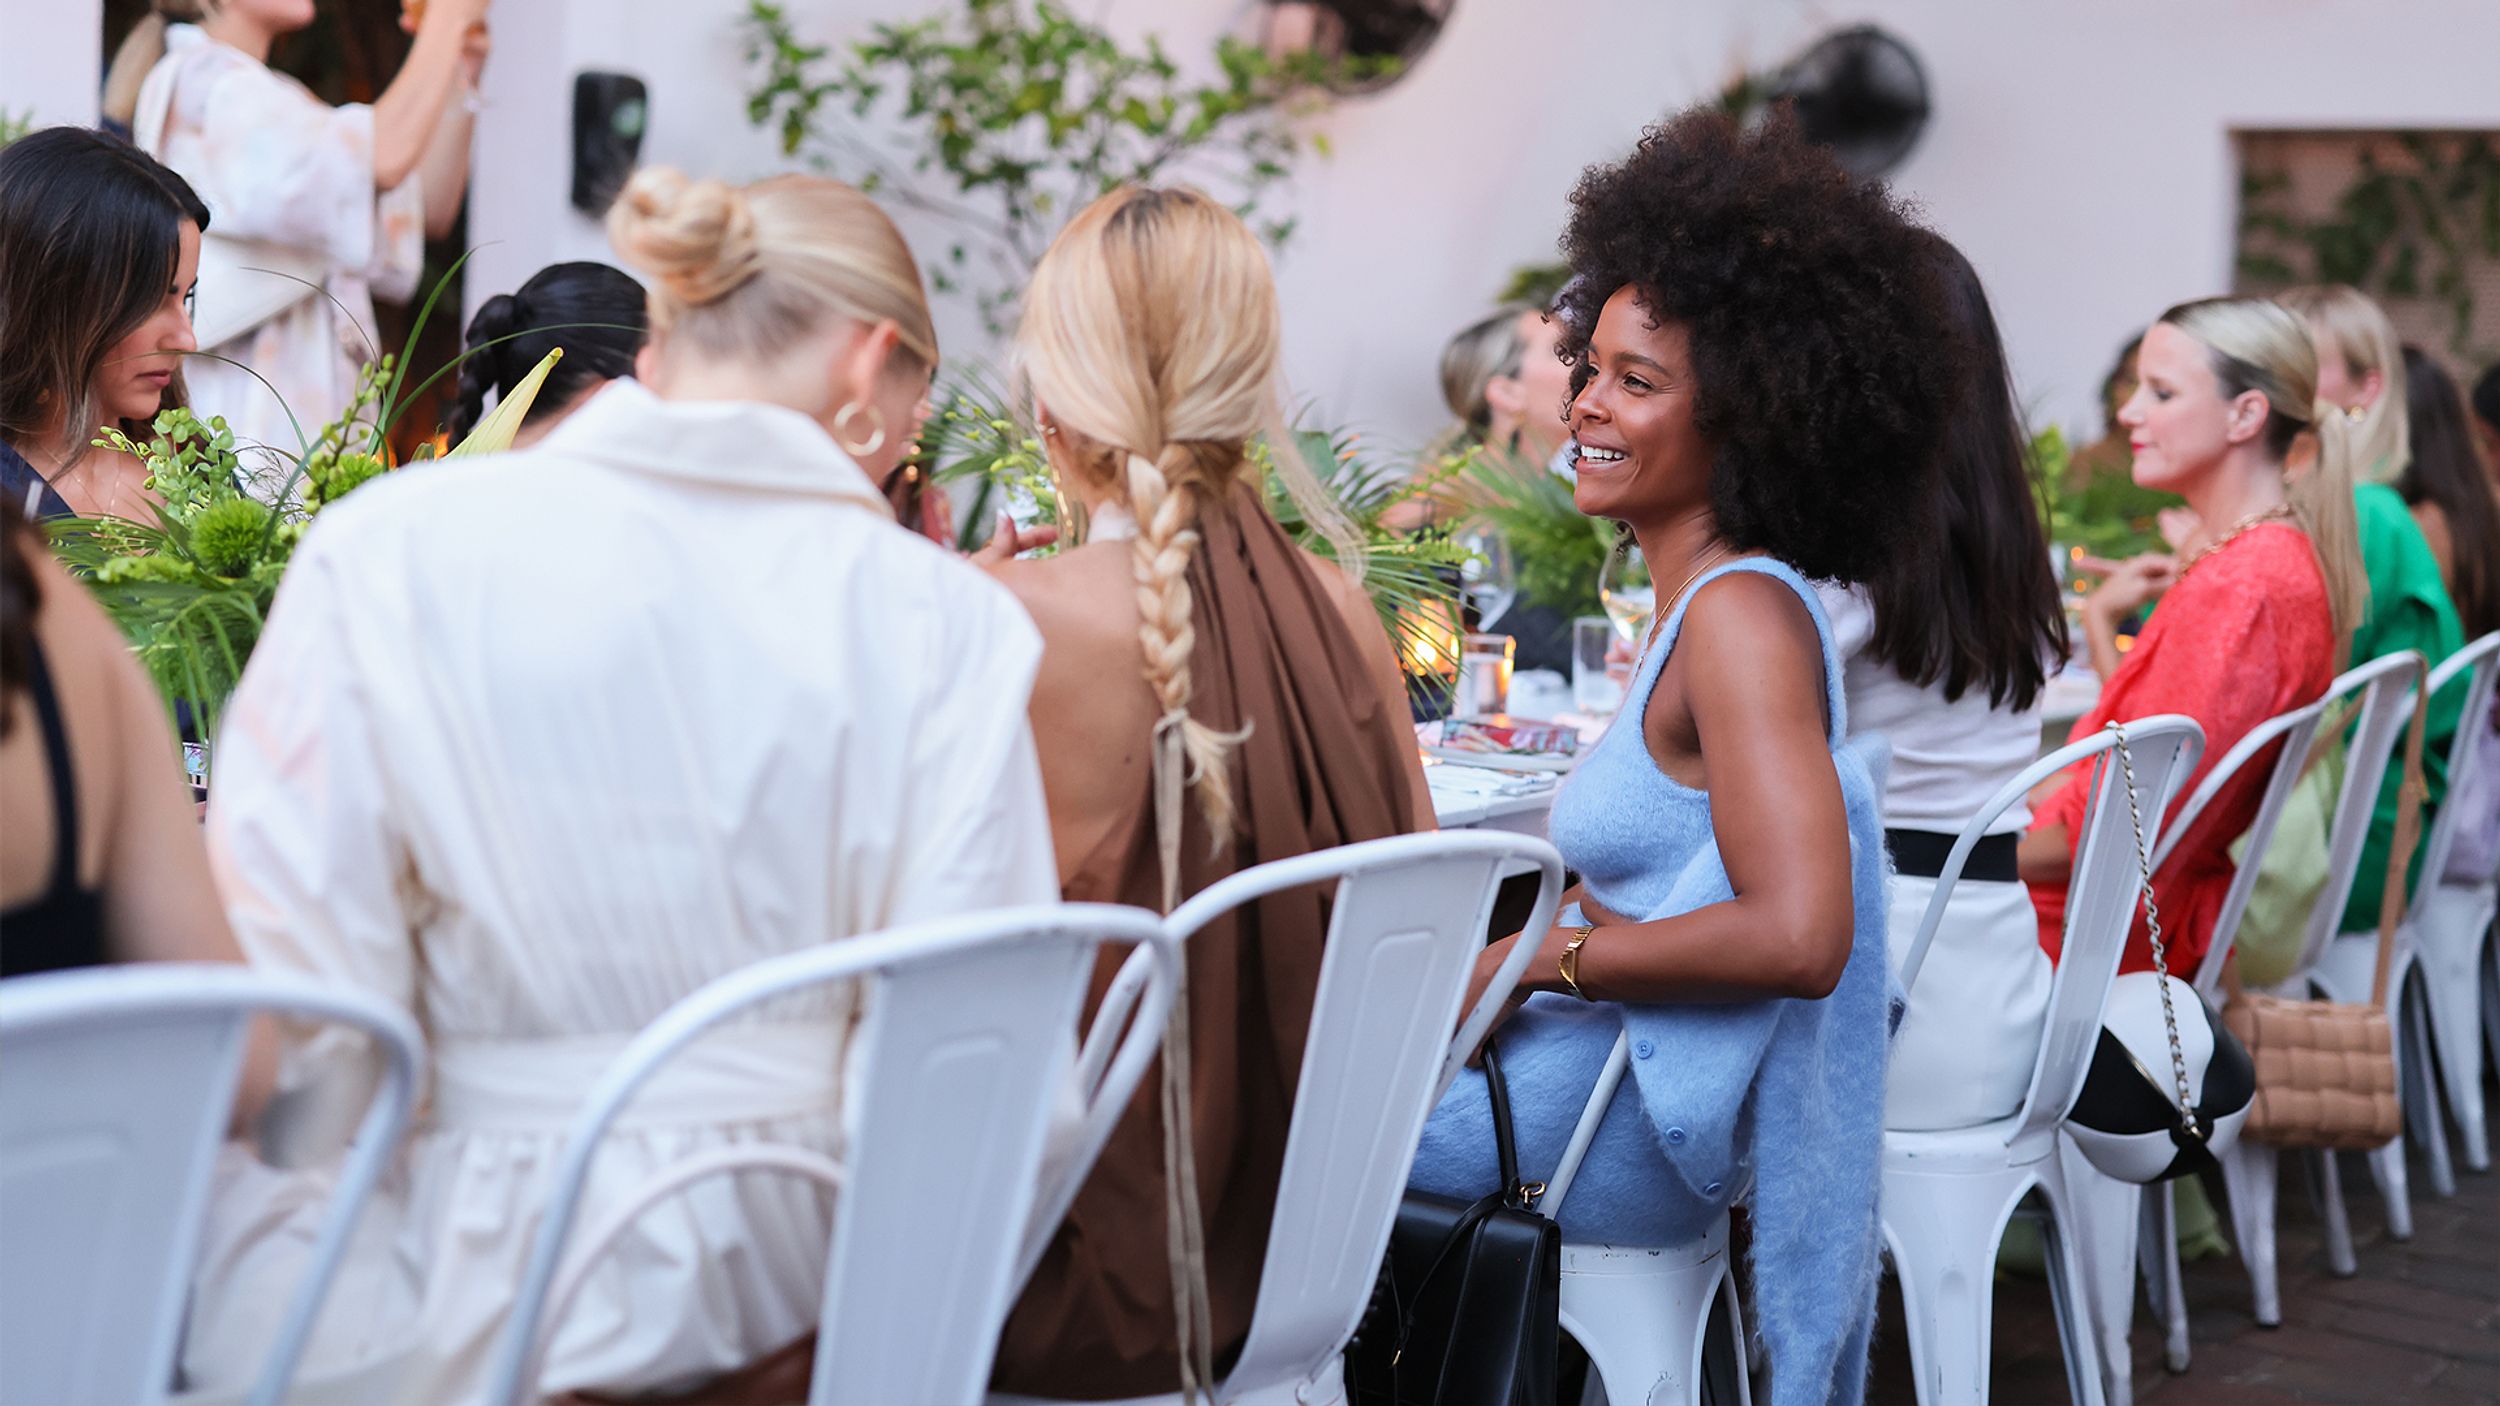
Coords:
pixel 2251 1169
pixel 1643 1313
pixel 116 1085
pixel 1403 934
pixel 2292 734
pixel 966 1038
pixel 2440 946
pixel 1949 1194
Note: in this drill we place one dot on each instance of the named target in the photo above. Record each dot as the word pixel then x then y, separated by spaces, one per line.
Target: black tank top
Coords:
pixel 64 926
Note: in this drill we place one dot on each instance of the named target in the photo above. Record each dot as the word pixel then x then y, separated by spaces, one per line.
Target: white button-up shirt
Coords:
pixel 533 746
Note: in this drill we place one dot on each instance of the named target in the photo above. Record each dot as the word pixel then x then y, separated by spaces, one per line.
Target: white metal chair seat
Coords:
pixel 1643 1313
pixel 1408 920
pixel 1949 1193
pixel 116 1085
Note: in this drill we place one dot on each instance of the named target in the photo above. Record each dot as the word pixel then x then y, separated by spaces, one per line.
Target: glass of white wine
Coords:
pixel 1624 588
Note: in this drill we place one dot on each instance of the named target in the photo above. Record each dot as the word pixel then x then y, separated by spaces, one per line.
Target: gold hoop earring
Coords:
pixel 2356 413
pixel 842 433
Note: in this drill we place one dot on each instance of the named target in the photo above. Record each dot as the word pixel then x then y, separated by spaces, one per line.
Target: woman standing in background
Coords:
pixel 335 202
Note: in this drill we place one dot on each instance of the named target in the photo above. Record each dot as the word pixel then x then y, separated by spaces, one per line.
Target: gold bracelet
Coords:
pixel 1569 962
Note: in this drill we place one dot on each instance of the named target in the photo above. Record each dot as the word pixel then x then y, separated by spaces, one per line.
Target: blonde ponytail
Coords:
pixel 2260 345
pixel 2322 503
pixel 2349 325
pixel 141 50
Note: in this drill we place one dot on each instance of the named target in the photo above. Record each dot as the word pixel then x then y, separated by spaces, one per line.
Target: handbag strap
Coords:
pixel 2152 930
pixel 2396 893
pixel 1505 1141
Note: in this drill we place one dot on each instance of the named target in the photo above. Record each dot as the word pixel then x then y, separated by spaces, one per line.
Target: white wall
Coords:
pixel 51 59
pixel 2079 152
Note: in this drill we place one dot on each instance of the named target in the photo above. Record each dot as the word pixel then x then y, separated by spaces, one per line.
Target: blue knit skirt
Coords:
pixel 1552 1050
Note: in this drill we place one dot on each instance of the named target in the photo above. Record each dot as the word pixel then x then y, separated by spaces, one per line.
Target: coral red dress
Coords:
pixel 2244 635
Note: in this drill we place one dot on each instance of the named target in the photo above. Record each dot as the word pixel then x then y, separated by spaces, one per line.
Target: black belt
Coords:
pixel 1921 855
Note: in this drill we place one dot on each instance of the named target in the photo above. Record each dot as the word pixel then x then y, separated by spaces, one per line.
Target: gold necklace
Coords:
pixel 2279 510
pixel 1658 613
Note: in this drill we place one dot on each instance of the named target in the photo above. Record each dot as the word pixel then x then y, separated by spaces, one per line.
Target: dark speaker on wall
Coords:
pixel 610 111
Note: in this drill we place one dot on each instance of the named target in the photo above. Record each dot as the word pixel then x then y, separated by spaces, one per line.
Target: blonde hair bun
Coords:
pixel 695 238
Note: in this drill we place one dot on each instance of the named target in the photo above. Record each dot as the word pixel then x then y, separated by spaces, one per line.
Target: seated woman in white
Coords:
pixel 536 745
pixel 1948 650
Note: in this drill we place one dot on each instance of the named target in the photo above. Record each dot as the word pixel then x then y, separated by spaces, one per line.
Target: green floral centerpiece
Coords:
pixel 192 589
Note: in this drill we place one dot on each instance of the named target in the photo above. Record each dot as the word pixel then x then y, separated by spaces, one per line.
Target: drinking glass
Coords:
pixel 1484 663
pixel 1626 591
pixel 1487 576
pixel 1594 691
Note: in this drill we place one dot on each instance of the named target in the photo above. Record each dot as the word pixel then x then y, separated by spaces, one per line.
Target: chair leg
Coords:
pixel 2102 1216
pixel 2249 1171
pixel 2491 998
pixel 2158 1253
pixel 2327 1175
pixel 2449 944
pixel 2073 1299
pixel 1726 1378
pixel 1943 1233
pixel 2418 1088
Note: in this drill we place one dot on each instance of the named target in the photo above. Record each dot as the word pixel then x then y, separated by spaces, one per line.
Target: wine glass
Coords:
pixel 1487 577
pixel 1626 591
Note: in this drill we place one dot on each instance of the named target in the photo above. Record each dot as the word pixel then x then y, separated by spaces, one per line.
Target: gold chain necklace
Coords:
pixel 2279 510
pixel 1658 613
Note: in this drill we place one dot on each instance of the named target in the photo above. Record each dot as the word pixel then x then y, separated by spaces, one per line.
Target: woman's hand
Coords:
pixel 1011 541
pixel 2128 586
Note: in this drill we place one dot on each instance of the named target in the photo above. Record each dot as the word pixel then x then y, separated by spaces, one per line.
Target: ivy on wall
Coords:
pixel 2418 218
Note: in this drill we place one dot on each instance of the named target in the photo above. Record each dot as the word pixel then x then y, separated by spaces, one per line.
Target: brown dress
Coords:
pixel 1322 766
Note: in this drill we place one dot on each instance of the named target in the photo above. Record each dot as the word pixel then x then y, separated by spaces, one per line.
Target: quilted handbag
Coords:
pixel 2326 1070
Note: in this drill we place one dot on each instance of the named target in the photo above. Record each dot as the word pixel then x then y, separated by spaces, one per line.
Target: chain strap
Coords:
pixel 2152 927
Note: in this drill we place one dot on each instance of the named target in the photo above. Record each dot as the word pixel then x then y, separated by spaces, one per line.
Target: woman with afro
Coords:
pixel 1764 363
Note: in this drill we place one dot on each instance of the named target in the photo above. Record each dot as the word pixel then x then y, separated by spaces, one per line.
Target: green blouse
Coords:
pixel 2409 609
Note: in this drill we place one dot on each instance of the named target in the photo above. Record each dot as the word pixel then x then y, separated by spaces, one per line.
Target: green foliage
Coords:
pixel 1536 285
pixel 2412 230
pixel 14 126
pixel 973 435
pixel 2096 507
pixel 191 589
pixel 1019 113
pixel 1556 550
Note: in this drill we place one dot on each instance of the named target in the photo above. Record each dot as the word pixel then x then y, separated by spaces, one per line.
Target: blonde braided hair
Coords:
pixel 1151 336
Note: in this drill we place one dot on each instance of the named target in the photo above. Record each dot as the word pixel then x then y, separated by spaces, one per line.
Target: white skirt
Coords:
pixel 1964 1052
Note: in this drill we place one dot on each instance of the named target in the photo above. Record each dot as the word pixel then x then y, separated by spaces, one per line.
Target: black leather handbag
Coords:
pixel 1468 1307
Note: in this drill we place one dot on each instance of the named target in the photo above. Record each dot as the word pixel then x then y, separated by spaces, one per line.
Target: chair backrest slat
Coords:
pixel 2480 659
pixel 2383 688
pixel 2103 895
pixel 1408 922
pixel 969 1031
pixel 116 1084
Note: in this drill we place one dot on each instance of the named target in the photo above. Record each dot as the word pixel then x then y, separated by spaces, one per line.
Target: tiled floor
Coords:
pixel 2419 1324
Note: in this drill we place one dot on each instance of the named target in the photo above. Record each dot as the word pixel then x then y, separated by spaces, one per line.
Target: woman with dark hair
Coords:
pixel 1948 649
pixel 99 245
pixel 595 312
pixel 1765 364
pixel 2450 495
pixel 2459 513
